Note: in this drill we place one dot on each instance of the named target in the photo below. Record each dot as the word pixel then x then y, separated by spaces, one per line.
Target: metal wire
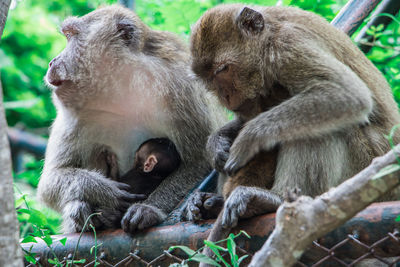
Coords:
pixel 332 257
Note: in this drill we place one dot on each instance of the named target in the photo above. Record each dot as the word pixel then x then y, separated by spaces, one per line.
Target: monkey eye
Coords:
pixel 68 35
pixel 69 32
pixel 221 68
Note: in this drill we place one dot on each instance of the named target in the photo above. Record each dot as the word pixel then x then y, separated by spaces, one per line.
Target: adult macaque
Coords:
pixel 298 85
pixel 116 84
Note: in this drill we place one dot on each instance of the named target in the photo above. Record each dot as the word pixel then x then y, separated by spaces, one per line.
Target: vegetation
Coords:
pixel 31 39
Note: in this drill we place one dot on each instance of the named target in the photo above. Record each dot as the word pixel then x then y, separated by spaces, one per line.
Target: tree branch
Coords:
pixel 305 220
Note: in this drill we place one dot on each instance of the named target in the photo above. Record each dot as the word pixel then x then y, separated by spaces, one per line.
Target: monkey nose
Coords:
pixel 51 62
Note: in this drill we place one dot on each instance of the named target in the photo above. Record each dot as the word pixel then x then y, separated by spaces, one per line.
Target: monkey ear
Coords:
pixel 126 29
pixel 250 21
pixel 150 163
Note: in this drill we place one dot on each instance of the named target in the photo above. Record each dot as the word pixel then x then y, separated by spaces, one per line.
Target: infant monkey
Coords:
pixel 155 159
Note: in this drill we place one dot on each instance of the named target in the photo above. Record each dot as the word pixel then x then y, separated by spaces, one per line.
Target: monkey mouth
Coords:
pixel 56 83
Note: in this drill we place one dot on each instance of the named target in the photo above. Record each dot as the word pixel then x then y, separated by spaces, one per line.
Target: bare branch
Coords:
pixel 300 222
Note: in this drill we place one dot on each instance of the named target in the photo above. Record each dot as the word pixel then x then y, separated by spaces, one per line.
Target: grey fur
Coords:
pixel 117 84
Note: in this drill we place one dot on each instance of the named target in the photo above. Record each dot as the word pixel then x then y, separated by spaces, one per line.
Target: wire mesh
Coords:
pixel 332 256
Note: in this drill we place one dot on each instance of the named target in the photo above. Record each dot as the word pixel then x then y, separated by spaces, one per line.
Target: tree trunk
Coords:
pixel 10 251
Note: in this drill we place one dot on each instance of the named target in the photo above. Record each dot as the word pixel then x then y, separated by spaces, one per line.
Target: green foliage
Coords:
pixel 217 249
pixel 33 216
pixel 41 230
pixel 31 39
pixel 385 52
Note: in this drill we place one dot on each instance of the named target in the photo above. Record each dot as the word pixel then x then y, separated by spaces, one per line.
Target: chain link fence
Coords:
pixel 374 254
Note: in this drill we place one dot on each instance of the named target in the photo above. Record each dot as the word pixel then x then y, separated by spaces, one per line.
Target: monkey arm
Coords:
pixel 218 143
pixel 327 96
pixel 77 193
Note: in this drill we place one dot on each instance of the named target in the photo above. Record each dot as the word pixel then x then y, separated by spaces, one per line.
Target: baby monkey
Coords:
pixel 155 159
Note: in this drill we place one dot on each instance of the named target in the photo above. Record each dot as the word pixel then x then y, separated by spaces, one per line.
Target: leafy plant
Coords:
pixel 218 251
pixel 39 222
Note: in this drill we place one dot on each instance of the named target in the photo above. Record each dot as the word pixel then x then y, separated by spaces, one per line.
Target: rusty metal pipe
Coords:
pixel 368 226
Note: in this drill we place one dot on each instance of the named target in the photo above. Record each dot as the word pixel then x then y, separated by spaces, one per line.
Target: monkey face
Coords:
pixel 96 46
pixel 226 58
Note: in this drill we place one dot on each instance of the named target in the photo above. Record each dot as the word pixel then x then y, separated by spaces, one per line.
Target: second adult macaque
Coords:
pixel 298 86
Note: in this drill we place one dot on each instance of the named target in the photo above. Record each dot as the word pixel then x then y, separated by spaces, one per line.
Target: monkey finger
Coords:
pixel 228 220
pixel 231 167
pixel 123 205
pixel 133 197
pixel 122 186
pixel 213 202
pixel 220 160
pixel 134 222
pixel 194 209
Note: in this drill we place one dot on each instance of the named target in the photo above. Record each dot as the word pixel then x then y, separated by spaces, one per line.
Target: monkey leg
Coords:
pixel 217 233
pixel 246 202
pixel 259 172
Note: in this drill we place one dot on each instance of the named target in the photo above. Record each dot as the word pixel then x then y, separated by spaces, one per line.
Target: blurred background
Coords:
pixel 31 39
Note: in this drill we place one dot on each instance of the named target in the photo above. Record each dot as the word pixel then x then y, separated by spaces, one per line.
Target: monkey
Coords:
pixel 155 159
pixel 296 84
pixel 259 172
pixel 116 84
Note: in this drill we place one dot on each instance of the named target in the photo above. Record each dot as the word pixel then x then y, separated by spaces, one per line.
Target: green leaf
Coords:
pixel 213 245
pixel 203 258
pixel 231 246
pixel 370 32
pixel 386 170
pixel 241 259
pixel 244 233
pixel 76 261
pixel 216 249
pixel 185 249
pixel 20 200
pixel 29 239
pixel 380 27
pixel 397 219
pixel 36 217
pixel 47 239
pixel 63 241
pixel 52 261
pixel 30 258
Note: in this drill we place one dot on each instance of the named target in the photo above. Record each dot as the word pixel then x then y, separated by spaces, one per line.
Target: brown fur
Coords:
pixel 259 172
pixel 329 123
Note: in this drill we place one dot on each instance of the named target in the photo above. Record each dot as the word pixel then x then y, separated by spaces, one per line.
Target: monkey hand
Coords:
pixel 202 205
pixel 141 216
pixel 246 202
pixel 220 153
pixel 110 200
pixel 243 149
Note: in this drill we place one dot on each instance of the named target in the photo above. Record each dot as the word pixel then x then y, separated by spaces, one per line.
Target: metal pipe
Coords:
pixel 352 15
pixel 368 227
pixel 128 3
pixel 387 6
pixel 26 141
